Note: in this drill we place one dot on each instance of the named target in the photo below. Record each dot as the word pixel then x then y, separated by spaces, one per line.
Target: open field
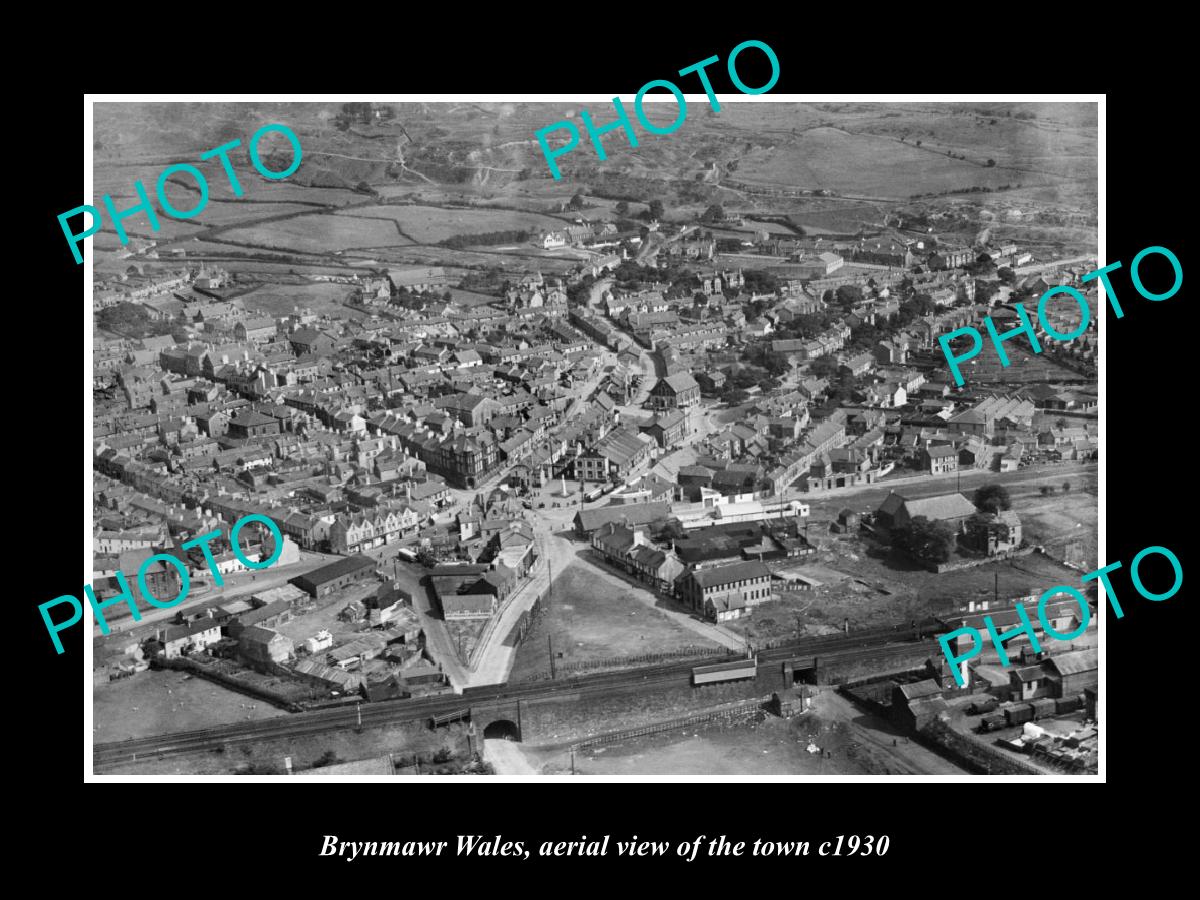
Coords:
pixel 156 702
pixel 588 618
pixel 1063 522
pixel 280 300
pixel 267 757
pixel 1024 367
pixel 847 741
pixel 874 165
pixel 431 224
pixel 319 233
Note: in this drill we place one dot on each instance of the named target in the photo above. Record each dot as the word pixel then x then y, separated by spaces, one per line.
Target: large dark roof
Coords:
pixel 336 570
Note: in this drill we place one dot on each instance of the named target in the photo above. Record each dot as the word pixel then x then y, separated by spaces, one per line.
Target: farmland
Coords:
pixel 319 233
pixel 431 224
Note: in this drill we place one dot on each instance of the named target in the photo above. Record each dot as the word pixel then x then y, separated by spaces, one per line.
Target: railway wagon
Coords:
pixel 992 722
pixel 1019 714
pixel 726 671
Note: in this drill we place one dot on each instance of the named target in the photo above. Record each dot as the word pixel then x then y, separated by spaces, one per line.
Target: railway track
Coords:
pixel 866 644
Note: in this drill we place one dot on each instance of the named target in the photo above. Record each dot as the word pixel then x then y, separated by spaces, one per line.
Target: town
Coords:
pixel 563 467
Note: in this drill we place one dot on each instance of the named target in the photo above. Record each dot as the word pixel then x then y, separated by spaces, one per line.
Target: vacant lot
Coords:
pixel 159 702
pixel 590 618
pixel 844 740
pixel 1064 522
pixel 280 300
pixel 431 224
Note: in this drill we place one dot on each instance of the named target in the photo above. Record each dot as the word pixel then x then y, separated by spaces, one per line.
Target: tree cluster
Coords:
pixel 485 238
pixel 992 498
pixel 926 540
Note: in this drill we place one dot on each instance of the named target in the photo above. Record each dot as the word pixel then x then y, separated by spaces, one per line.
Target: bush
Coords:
pixel 1066 486
pixel 328 758
pixel 993 498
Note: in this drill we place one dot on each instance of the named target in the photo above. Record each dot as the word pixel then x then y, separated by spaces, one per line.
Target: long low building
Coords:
pixel 334 576
pixel 699 515
pixel 630 514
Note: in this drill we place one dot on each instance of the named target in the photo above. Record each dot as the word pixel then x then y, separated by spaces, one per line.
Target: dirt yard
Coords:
pixel 590 617
pixel 162 701
pixel 844 742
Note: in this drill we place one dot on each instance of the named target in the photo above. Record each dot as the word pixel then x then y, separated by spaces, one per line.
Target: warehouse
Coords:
pixel 327 579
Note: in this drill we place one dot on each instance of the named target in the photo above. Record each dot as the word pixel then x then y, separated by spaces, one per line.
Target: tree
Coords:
pixel 577 201
pixel 848 295
pixel 993 498
pixel 1047 490
pixel 990 163
pixel 622 208
pixel 1006 275
pixel 657 211
pixel 925 540
pixel 714 213
pixel 1066 486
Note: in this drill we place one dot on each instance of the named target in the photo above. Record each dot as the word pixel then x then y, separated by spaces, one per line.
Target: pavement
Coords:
pixel 506 757
pixel 496 657
pixel 438 643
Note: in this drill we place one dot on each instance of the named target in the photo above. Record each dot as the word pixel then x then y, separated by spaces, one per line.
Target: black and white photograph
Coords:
pixel 537 439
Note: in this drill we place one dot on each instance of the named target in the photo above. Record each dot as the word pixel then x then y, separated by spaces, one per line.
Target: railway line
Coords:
pixel 872 643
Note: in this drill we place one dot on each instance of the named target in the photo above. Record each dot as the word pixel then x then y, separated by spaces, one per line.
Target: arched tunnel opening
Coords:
pixel 502 729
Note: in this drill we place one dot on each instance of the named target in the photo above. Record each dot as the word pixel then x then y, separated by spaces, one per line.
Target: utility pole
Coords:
pixel 572 760
pixel 358 709
pixel 550 651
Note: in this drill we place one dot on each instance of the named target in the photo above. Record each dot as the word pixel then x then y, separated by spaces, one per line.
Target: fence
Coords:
pixel 970 753
pixel 525 623
pixel 533 575
pixel 618 662
pixel 815 643
pixel 212 672
pixel 746 709
pixel 982 561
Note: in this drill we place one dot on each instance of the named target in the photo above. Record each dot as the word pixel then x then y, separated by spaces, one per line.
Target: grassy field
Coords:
pixel 158 702
pixel 431 224
pixel 319 233
pixel 592 618
pixel 877 166
pixel 1065 522
pixel 279 300
pixel 266 757
pixel 1023 367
